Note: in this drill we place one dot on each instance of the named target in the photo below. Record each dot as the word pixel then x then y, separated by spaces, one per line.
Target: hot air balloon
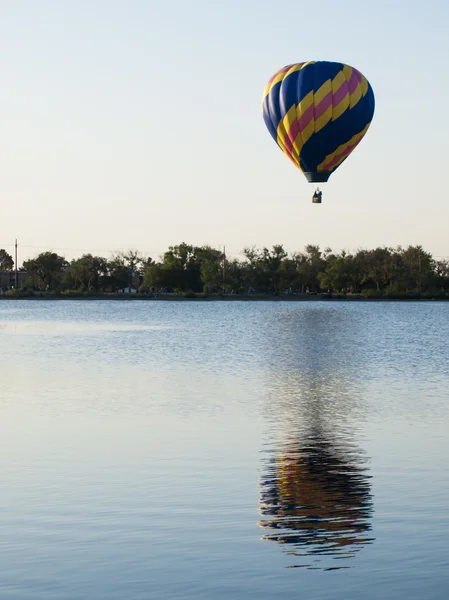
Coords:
pixel 318 112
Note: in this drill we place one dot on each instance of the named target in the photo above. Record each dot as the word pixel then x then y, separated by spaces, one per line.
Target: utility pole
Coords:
pixel 224 266
pixel 15 265
pixel 420 271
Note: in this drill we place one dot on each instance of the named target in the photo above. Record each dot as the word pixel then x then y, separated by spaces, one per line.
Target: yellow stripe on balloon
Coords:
pixel 289 118
pixel 279 75
pixel 293 156
pixel 322 92
pixel 347 72
pixel 283 130
pixel 338 81
pixel 292 115
pixel 340 108
pixel 319 96
pixel 364 86
pixel 281 137
pixel 282 74
pixel 323 119
pixel 284 127
pixel 356 95
pixel 301 109
pixel 305 103
pixel 301 138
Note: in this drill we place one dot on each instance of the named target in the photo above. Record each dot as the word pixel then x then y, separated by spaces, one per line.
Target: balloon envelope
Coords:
pixel 318 112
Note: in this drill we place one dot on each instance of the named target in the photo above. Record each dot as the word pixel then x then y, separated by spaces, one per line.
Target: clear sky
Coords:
pixel 137 123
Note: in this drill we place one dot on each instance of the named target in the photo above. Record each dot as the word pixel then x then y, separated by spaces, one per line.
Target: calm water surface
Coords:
pixel 191 450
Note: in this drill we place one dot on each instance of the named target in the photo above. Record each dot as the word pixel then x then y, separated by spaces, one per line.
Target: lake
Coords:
pixel 227 450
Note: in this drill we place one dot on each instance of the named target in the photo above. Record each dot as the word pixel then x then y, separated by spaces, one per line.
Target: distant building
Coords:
pixel 8 279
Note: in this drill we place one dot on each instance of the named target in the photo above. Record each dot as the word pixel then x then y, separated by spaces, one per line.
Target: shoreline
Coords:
pixel 246 298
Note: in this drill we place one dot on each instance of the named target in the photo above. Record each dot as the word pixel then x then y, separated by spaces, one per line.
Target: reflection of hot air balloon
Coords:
pixel 317 112
pixel 315 496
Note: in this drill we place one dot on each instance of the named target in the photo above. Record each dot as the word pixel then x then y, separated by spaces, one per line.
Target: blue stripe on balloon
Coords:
pixel 267 118
pixel 274 109
pixel 288 93
pixel 313 78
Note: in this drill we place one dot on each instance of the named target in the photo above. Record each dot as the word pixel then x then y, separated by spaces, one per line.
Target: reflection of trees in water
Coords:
pixel 315 496
pixel 315 490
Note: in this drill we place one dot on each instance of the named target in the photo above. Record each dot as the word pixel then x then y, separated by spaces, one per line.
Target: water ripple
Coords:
pixel 315 498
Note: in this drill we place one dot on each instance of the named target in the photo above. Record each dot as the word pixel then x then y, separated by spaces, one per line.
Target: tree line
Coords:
pixel 189 269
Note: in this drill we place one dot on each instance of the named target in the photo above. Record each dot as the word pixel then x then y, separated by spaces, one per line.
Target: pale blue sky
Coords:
pixel 138 124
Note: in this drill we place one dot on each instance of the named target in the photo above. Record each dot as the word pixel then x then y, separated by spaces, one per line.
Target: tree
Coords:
pixel 46 270
pixel 211 265
pixel 124 266
pixel 235 276
pixel 186 268
pixel 339 273
pixel 264 268
pixel 376 267
pixel 273 262
pixel 312 263
pixel 442 274
pixel 118 273
pixel 6 261
pixel 86 273
pixel 419 268
pixel 290 277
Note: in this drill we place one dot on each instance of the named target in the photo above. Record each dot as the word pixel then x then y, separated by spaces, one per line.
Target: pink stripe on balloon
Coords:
pixel 298 126
pixel 293 132
pixel 344 154
pixel 289 148
pixel 354 81
pixel 283 70
pixel 305 118
pixel 290 138
pixel 323 105
pixel 340 93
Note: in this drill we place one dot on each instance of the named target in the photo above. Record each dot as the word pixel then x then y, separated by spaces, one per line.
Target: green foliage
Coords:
pixel 86 273
pixel 46 270
pixel 186 268
pixel 6 261
pixel 386 271
pixel 192 271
